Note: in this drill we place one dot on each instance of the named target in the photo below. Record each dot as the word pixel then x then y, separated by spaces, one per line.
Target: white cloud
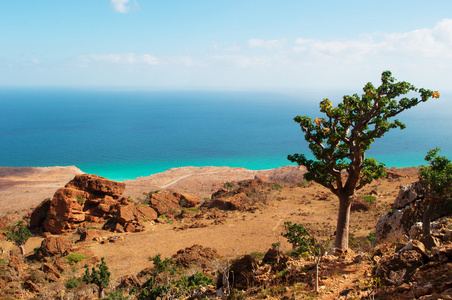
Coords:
pixel 271 44
pixel 124 6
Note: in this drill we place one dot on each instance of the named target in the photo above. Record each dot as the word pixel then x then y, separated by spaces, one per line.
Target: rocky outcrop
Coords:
pixel 407 210
pixel 53 245
pixel 85 198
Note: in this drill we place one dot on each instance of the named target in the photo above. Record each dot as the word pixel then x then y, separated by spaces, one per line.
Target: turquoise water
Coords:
pixel 124 134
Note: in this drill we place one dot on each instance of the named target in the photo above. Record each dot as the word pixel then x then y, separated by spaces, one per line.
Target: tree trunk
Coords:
pixel 343 222
pixel 101 293
pixel 317 277
pixel 22 249
pixel 426 219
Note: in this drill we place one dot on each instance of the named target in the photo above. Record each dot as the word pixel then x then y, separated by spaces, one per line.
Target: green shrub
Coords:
pixel 74 258
pixel 166 219
pixel 73 282
pixel 277 187
pixel 3 261
pixel 370 199
pixel 79 199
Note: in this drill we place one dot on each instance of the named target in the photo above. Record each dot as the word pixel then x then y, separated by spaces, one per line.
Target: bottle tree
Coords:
pixel 340 139
pixel 18 234
pixel 437 180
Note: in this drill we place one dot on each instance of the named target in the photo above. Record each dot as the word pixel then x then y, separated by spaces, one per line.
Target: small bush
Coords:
pixel 370 199
pixel 163 217
pixel 74 258
pixel 277 187
pixel 3 262
pixel 79 199
pixel 73 282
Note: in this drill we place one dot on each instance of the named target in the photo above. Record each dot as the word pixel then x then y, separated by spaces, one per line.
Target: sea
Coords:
pixel 125 134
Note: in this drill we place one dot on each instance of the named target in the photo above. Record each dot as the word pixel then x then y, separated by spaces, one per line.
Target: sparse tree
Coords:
pixel 99 277
pixel 340 140
pixel 437 179
pixel 18 234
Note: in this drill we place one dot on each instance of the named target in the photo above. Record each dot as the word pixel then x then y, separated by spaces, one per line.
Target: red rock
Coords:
pixel 91 234
pixel 126 214
pixel 97 185
pixel 165 204
pixel 39 214
pixel 187 200
pixel 145 212
pixel 54 245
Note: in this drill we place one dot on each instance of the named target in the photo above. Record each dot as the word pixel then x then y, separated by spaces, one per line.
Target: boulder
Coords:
pixel 398 269
pixel 187 200
pixel 91 234
pixel 53 245
pixel 196 256
pixel 85 198
pixel 408 210
pixel 39 214
pixel 239 201
pixel 241 273
pixel 430 241
pixel 94 184
pixel 165 204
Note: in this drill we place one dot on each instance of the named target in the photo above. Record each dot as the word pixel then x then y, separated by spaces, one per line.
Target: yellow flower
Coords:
pixel 318 121
pixel 326 130
pixel 435 94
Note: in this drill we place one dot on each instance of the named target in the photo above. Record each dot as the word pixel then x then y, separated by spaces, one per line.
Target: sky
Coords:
pixel 224 45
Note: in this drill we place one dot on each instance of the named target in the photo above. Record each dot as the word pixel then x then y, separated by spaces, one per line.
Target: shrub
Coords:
pixel 73 282
pixel 99 277
pixel 18 234
pixel 370 199
pixel 74 258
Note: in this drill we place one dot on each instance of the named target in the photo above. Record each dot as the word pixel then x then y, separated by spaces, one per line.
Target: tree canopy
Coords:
pixel 340 139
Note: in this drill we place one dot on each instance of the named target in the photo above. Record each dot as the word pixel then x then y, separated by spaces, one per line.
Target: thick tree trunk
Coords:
pixel 343 222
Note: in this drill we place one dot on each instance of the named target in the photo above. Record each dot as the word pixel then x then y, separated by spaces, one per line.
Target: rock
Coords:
pixel 415 230
pixel 39 214
pixel 261 178
pixel 398 269
pixel 129 282
pixel 418 247
pixel 442 253
pixel 195 256
pixel 239 201
pixel 145 212
pixel 408 194
pixel 187 200
pixel 94 184
pixel 52 273
pixel 91 234
pixel 430 241
pixel 406 213
pixel 165 204
pixel 16 264
pixel 447 237
pixel 276 259
pixel 126 214
pixel 85 198
pixel 221 193
pixel 53 245
pixel 241 273
pixel 32 287
pixel 118 228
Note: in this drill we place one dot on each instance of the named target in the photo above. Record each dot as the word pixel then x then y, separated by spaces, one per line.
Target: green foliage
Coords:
pixel 370 199
pixel 277 187
pixel 371 237
pixel 73 282
pixel 166 265
pixel 339 140
pixel 116 295
pixel 99 276
pixel 229 185
pixel 160 284
pixel 79 199
pixel 166 219
pixel 18 233
pixel 296 234
pixel 437 176
pixel 74 258
pixel 3 261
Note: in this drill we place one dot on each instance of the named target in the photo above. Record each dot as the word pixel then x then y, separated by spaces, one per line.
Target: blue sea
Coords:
pixel 127 134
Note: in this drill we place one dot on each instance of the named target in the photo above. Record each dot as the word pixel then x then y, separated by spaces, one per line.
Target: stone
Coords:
pixel 398 269
pixel 145 212
pixel 408 194
pixel 165 204
pixel 187 200
pixel 85 198
pixel 32 287
pixel 416 246
pixel 195 256
pixel 126 214
pixel 430 241
pixel 49 269
pixel 53 245
pixel 97 185
pixel 91 234
pixel 39 214
pixel 241 272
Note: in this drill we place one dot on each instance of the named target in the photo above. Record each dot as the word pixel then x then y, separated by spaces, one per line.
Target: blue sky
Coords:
pixel 207 44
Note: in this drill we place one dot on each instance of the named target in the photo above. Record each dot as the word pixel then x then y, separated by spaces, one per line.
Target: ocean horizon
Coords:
pixel 128 134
